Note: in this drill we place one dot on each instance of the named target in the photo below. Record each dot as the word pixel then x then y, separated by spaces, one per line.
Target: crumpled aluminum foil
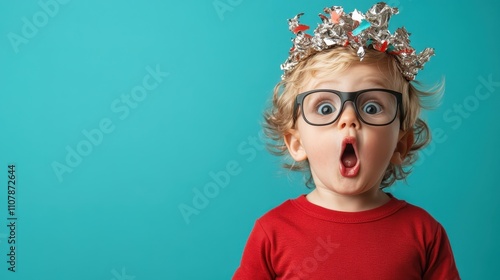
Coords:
pixel 358 31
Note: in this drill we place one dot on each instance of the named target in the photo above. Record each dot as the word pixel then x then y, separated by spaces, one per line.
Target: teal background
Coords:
pixel 116 215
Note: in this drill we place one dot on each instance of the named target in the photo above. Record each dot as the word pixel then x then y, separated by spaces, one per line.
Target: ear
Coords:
pixel 403 147
pixel 294 145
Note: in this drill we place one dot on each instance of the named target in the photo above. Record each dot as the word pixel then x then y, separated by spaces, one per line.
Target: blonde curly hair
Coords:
pixel 279 117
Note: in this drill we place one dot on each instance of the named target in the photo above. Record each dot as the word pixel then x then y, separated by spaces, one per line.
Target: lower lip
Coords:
pixel 349 171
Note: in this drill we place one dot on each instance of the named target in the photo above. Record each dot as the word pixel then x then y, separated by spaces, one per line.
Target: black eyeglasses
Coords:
pixel 373 106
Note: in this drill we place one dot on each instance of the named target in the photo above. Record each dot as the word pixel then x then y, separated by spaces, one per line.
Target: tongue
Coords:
pixel 349 159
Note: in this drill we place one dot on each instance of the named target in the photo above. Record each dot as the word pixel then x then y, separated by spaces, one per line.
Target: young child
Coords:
pixel 347 112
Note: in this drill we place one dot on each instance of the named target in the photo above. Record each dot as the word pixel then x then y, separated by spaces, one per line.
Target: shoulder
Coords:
pixel 418 221
pixel 279 211
pixel 437 256
pixel 285 213
pixel 414 212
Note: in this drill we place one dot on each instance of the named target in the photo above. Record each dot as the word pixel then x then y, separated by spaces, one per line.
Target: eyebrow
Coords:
pixel 373 81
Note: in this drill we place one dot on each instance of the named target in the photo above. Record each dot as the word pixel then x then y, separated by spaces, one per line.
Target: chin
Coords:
pixel 351 191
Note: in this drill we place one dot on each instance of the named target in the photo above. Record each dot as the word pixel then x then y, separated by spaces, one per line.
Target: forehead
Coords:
pixel 356 76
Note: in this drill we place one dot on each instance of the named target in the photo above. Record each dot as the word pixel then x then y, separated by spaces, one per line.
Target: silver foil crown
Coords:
pixel 358 31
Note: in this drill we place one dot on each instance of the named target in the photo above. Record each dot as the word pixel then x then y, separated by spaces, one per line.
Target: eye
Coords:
pixel 372 108
pixel 325 109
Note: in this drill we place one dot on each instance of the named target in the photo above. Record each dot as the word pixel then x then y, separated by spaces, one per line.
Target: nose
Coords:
pixel 348 117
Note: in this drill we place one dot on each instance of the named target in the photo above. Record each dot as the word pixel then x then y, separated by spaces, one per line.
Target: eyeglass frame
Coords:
pixel 344 97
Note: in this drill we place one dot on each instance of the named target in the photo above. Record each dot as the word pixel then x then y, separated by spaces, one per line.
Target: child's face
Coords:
pixel 333 167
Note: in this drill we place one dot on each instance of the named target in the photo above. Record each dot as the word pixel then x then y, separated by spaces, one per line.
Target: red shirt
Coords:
pixel 301 240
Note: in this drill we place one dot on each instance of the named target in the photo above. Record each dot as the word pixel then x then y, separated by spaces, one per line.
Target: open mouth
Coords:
pixel 349 158
pixel 349 163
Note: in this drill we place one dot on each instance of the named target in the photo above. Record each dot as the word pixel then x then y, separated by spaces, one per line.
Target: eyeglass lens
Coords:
pixel 373 107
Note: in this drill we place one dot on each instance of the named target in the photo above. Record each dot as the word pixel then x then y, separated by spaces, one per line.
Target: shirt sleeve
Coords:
pixel 256 260
pixel 441 263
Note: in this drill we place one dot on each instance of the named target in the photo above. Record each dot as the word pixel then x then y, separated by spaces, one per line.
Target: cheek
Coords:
pixel 322 148
pixel 326 153
pixel 380 146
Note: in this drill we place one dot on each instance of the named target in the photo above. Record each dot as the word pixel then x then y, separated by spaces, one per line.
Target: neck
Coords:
pixel 348 203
